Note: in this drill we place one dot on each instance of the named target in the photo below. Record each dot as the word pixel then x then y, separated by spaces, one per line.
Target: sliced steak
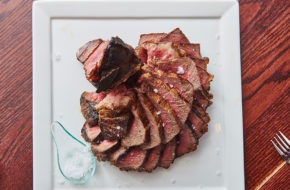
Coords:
pixel 169 119
pixel 198 110
pixel 187 141
pixel 198 125
pixel 114 156
pixel 161 51
pixel 176 36
pixel 138 133
pixel 86 50
pixel 184 67
pixel 170 95
pixel 91 133
pixel 132 160
pixel 154 119
pixel 104 146
pixel 192 50
pixel 152 160
pixel 114 128
pixel 88 101
pixel 183 87
pixel 168 154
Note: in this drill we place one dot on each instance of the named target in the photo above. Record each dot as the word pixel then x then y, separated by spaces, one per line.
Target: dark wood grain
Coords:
pixel 265 76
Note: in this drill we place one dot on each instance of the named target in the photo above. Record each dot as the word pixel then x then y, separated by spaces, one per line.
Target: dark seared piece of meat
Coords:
pixel 138 133
pixel 86 50
pixel 88 101
pixel 187 141
pixel 152 159
pixel 168 154
pixel 170 122
pixel 156 130
pixel 91 133
pixel 114 128
pixel 170 95
pixel 133 159
pixel 109 64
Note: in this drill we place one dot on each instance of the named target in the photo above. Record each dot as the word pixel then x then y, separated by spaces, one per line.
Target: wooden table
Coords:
pixel 265 75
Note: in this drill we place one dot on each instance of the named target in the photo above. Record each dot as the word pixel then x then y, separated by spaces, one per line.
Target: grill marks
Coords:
pixel 150 105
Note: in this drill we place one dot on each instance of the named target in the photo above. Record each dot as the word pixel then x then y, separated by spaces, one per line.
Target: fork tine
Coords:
pixel 285 138
pixel 281 146
pixel 285 145
pixel 277 148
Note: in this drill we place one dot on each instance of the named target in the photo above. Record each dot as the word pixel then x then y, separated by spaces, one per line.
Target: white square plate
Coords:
pixel 61 27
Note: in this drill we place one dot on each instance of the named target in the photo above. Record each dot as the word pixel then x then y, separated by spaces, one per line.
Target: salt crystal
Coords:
pixel 163 124
pixel 170 85
pixel 118 127
pixel 180 70
pixel 158 113
pixel 155 90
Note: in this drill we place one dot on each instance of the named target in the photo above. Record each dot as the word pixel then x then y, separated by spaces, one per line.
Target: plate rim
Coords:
pixel 46 10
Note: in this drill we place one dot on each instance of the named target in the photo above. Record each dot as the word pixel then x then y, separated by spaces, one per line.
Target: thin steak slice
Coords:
pixel 198 110
pixel 184 67
pixel 187 142
pixel 170 95
pixel 198 125
pixel 114 128
pixel 191 49
pixel 152 160
pixel 154 119
pixel 168 154
pixel 183 87
pixel 87 49
pixel 91 133
pixel 170 121
pixel 138 133
pixel 176 36
pixel 104 147
pixel 114 156
pixel 88 101
pixel 151 37
pixel 132 160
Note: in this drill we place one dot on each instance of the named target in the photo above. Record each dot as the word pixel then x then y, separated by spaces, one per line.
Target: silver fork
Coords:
pixel 282 146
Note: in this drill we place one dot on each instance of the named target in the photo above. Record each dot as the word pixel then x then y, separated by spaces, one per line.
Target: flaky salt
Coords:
pixel 170 85
pixel 180 70
pixel 155 90
pixel 158 113
pixel 78 163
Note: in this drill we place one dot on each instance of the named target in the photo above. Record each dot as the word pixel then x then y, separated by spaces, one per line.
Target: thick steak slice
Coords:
pixel 91 133
pixel 93 63
pixel 198 125
pixel 162 51
pixel 176 36
pixel 170 95
pixel 152 160
pixel 184 67
pixel 183 87
pixel 138 133
pixel 154 119
pixel 114 156
pixel 186 142
pixel 119 100
pixel 115 127
pixel 168 154
pixel 86 50
pixel 132 160
pixel 170 121
pixel 104 146
pixel 88 101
